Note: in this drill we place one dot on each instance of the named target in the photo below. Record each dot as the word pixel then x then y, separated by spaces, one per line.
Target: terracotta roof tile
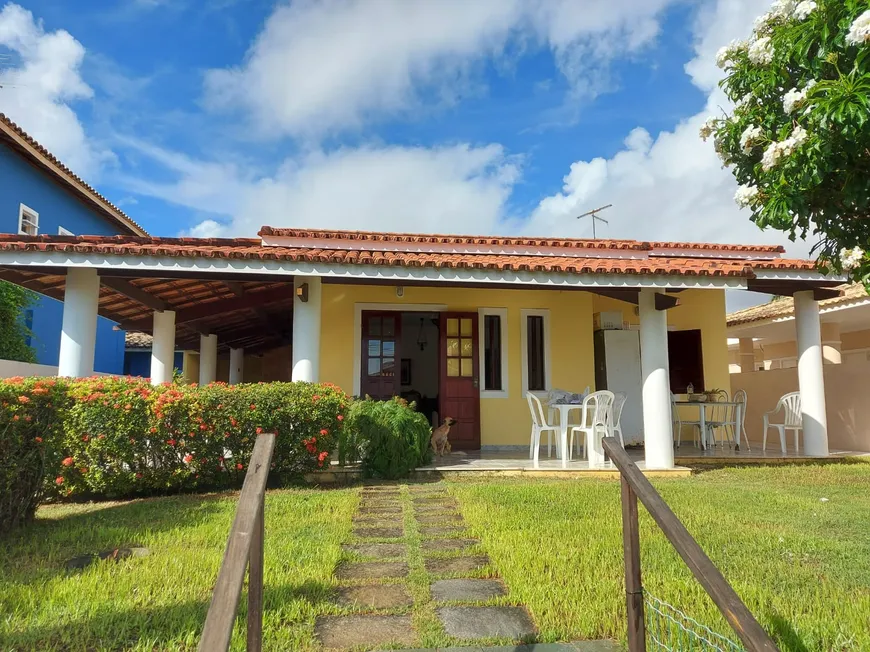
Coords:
pixel 47 159
pixel 446 239
pixel 254 249
pixel 782 307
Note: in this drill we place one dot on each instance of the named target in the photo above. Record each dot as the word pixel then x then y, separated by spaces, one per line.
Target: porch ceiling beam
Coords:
pixel 271 324
pixel 786 289
pixel 222 306
pixel 662 301
pixel 136 294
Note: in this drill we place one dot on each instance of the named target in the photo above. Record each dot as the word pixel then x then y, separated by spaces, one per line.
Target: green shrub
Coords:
pixel 31 439
pixel 390 437
pixel 113 437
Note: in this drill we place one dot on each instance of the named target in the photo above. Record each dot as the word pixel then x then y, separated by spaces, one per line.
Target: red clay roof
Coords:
pixel 31 147
pixel 422 238
pixel 255 250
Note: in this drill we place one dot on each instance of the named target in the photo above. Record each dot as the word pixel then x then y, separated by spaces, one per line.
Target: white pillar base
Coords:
pixel 207 359
pixel 163 347
pixel 237 366
pixel 811 378
pixel 657 422
pixel 306 332
pixel 79 331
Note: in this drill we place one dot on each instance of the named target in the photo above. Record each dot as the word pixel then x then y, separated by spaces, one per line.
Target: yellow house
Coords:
pixel 465 326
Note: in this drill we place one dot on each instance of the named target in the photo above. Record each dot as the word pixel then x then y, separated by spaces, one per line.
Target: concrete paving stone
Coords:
pixel 382 488
pixel 378 532
pixel 433 499
pixel 374 596
pixel 435 509
pixel 447 545
pixel 375 570
pixel 379 520
pixel 466 590
pixel 379 502
pixel 376 550
pixel 486 622
pixel 447 518
pixel 441 530
pixel 579 646
pixel 339 632
pixel 441 566
pixel 380 509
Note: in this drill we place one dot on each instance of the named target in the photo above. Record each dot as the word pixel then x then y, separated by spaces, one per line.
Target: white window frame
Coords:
pixel 32 217
pixel 524 350
pixel 502 314
pixel 63 231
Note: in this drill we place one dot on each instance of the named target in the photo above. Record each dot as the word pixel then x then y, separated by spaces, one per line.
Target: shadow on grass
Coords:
pixel 699 467
pixel 789 639
pixel 161 627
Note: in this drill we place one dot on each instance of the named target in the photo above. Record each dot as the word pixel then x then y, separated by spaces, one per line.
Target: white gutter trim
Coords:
pixel 786 275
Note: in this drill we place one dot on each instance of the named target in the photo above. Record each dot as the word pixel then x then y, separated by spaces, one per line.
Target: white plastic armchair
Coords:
pixel 790 404
pixel 539 425
pixel 597 423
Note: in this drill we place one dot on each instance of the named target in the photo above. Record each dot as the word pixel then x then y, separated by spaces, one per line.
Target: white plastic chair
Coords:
pixel 721 417
pixel 618 404
pixel 679 423
pixel 539 425
pixel 791 405
pixel 740 428
pixel 597 419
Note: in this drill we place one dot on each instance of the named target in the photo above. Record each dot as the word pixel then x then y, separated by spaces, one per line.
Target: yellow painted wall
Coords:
pixel 504 421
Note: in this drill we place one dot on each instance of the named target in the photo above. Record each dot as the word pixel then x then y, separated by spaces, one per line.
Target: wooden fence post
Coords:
pixel 633 586
pixel 255 582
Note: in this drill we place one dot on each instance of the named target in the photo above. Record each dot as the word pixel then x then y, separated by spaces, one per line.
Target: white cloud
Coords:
pixel 40 85
pixel 458 188
pixel 325 65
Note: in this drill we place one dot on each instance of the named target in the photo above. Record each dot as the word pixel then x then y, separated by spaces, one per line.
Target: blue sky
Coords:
pixel 493 116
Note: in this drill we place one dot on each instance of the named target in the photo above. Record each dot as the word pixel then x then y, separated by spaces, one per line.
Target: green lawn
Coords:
pixel 801 564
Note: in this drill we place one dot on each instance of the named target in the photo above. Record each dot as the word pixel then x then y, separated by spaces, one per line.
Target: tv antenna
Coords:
pixel 594 214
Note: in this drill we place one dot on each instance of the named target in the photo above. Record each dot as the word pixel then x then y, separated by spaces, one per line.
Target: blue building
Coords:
pixel 39 195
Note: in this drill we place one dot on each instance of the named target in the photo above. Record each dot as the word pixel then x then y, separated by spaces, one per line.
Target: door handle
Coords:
pixel 476 382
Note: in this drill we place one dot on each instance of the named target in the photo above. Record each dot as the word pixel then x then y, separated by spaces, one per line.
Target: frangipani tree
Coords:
pixel 798 136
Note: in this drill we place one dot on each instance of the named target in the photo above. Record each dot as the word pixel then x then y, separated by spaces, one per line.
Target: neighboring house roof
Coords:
pixel 783 307
pixel 559 258
pixel 135 340
pixel 26 144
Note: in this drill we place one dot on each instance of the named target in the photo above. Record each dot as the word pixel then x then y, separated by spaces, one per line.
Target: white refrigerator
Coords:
pixel 617 368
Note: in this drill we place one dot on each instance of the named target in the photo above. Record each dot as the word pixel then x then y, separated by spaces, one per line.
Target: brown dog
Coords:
pixel 440 442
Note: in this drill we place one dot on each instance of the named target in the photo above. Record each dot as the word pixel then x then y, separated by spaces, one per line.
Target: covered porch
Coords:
pixel 231 298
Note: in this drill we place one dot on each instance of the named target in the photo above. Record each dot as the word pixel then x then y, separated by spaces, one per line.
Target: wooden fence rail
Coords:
pixel 244 549
pixel 635 485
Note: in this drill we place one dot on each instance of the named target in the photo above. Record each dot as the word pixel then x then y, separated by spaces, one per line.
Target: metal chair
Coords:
pixel 790 404
pixel 597 420
pixel 539 425
pixel 679 423
pixel 740 424
pixel 721 417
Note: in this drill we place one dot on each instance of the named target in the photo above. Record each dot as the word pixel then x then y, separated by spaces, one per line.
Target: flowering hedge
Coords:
pixel 116 437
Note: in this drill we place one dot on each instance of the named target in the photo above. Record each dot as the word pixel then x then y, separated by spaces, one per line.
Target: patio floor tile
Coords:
pixel 486 622
pixel 466 590
pixel 364 570
pixel 456 564
pixel 375 596
pixel 377 550
pixel 359 630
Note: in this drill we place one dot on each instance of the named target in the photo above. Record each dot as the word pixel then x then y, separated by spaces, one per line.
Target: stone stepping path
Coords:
pixel 402 535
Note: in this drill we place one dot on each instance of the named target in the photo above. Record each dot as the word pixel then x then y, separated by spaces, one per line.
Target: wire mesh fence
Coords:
pixel 668 628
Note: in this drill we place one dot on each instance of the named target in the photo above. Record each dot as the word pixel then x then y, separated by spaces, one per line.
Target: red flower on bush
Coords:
pixel 23 399
pixel 15 418
pixel 39 390
pixel 58 480
pixel 240 466
pixel 202 426
pixel 188 458
pixel 128 406
pixel 38 440
pixel 68 461
pixel 253 407
pixel 84 470
pixel 171 442
pixel 324 432
pixel 340 417
pixel 86 437
pixel 323 455
pixel 138 476
pixel 259 431
pixel 101 437
pixel 315 398
pixel 233 422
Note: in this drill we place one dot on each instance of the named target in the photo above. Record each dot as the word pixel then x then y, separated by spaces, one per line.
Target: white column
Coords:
pixel 657 423
pixel 163 347
pixel 79 331
pixel 207 359
pixel 811 377
pixel 237 366
pixel 832 343
pixel 306 331
pixel 747 355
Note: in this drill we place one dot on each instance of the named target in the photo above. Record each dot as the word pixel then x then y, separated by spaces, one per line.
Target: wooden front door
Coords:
pixel 380 354
pixel 460 378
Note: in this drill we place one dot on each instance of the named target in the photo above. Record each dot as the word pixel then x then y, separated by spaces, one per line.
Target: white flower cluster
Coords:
pixel 707 129
pixel 776 151
pixel 851 258
pixel 860 31
pixel 746 195
pixel 725 53
pixel 804 9
pixel 750 136
pixel 761 51
pixel 780 12
pixel 794 98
